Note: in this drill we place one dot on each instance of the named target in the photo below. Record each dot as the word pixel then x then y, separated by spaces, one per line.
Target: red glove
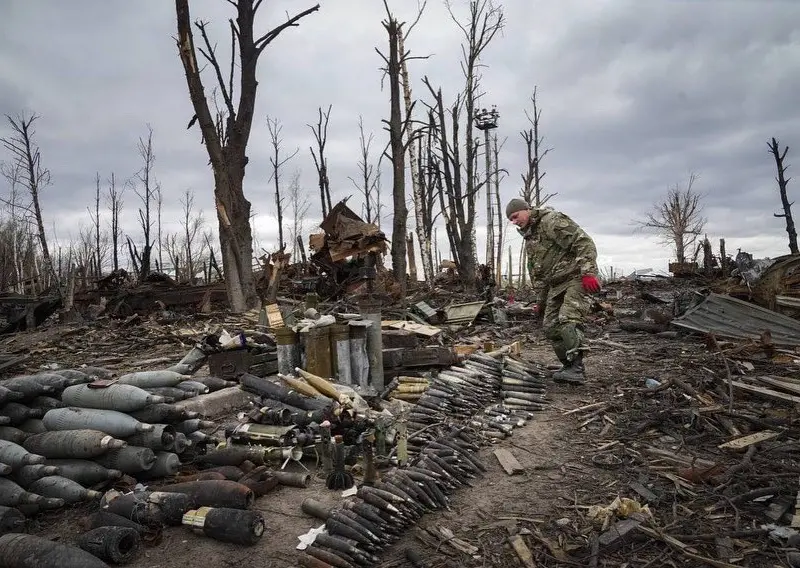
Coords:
pixel 590 283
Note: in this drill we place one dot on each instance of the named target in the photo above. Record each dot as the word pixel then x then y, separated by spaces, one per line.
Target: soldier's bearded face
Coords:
pixel 521 218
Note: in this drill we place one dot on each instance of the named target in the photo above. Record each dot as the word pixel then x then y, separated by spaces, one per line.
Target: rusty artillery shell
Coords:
pixel 292 479
pixel 18 412
pixel 106 519
pixel 232 455
pixel 214 383
pixel 160 438
pixel 11 520
pixel 230 472
pixel 17 456
pixel 227 525
pixel 120 397
pixel 172 394
pixel 143 379
pixel 228 494
pixel 58 487
pixel 260 481
pixel 166 464
pixel 27 386
pixel 162 414
pixel 193 386
pixel 112 422
pixel 117 545
pixel 28 551
pixel 8 395
pixel 201 476
pixel 12 495
pixel 341 529
pixel 148 507
pixel 193 424
pixel 130 459
pixel 329 557
pixel 312 562
pixel 27 474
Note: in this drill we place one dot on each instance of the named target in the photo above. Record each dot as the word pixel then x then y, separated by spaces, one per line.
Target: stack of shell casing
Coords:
pixel 523 386
pixel 457 393
pixel 409 389
pixel 66 439
pixel 358 529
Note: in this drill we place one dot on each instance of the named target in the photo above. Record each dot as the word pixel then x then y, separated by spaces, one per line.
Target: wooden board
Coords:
pixel 768 393
pixel 508 462
pixel 274 316
pixel 522 550
pixel 426 330
pixel 749 440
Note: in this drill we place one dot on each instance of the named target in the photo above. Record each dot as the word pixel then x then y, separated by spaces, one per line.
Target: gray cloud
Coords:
pixel 635 97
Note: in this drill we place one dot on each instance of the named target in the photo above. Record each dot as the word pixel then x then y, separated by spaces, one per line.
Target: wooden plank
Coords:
pixel 780 383
pixel 522 550
pixel 766 392
pixel 508 462
pixel 643 491
pixel 617 533
pixel 426 330
pixel 274 316
pixel 749 440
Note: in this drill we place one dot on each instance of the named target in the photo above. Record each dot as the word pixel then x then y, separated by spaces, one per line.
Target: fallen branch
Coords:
pixel 683 548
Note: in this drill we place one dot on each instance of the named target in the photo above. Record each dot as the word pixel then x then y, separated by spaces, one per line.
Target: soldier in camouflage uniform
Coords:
pixel 562 262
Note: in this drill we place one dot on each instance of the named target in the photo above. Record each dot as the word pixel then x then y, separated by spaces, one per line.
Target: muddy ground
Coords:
pixel 566 463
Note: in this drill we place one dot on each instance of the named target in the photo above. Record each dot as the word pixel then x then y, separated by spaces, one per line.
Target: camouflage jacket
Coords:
pixel 557 248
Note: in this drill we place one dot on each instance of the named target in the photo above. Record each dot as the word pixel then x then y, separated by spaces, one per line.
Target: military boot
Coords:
pixel 561 353
pixel 573 372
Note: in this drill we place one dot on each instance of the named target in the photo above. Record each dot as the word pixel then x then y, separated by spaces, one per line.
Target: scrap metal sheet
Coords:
pixel 725 316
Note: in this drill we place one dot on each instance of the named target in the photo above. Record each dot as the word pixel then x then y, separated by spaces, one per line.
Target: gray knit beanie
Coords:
pixel 515 205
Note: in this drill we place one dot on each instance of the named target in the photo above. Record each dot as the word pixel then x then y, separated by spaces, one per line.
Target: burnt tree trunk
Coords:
pixel 782 183
pixel 226 139
pixel 398 159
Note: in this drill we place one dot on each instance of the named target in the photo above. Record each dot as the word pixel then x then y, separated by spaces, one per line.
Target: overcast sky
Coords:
pixel 635 96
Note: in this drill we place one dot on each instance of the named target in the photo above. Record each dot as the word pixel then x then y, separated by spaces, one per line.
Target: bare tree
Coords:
pixel 159 208
pixel 146 189
pixel 320 131
pixel 274 126
pixel 423 233
pixel 192 223
pixel 783 181
pixel 502 224
pixel 532 178
pixel 175 251
pixel 16 234
pixel 678 219
pixel 226 135
pixel 95 217
pixel 27 157
pixel 460 185
pixel 298 208
pixel 114 203
pixel 398 128
pixel 368 176
pixel 430 186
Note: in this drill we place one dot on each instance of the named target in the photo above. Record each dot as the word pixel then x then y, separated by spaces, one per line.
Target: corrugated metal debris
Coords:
pixel 725 316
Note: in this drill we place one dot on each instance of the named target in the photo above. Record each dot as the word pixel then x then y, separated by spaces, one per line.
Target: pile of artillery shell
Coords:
pixel 59 437
pixel 358 529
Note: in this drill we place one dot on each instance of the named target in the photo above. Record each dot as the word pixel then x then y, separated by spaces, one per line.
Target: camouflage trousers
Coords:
pixel 565 308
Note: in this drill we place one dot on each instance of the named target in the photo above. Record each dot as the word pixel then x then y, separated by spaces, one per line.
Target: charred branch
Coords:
pixel 783 181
